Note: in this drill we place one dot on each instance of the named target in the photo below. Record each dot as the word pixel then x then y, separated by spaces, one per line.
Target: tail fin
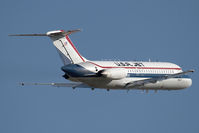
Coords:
pixel 63 44
pixel 65 47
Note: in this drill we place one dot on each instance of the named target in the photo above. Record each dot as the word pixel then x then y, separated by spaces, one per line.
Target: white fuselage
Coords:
pixel 114 74
pixel 128 72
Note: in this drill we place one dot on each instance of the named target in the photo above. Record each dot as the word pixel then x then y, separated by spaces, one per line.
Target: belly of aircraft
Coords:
pixel 169 84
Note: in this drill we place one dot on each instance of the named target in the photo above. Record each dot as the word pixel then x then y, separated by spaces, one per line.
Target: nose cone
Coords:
pixel 188 83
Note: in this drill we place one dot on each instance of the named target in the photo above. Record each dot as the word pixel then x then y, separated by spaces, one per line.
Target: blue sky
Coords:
pixel 160 30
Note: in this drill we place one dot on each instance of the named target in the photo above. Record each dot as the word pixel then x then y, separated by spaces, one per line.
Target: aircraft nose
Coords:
pixel 188 83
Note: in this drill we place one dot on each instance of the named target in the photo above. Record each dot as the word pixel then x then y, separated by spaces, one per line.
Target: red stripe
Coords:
pixel 74 48
pixel 136 67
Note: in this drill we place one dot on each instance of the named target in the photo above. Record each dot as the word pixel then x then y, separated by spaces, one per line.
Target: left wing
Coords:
pixel 72 84
pixel 154 80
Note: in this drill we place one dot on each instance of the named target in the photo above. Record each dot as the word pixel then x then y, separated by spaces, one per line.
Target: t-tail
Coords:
pixel 66 49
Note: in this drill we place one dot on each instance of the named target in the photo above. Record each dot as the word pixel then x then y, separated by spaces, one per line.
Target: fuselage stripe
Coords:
pixel 144 75
pixel 135 67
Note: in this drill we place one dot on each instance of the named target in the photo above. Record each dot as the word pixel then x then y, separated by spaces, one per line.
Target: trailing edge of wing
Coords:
pixel 154 80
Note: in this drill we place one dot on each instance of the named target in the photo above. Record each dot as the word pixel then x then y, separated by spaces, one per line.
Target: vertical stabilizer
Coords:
pixel 65 47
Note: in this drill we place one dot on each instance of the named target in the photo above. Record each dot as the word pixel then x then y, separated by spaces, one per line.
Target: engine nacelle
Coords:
pixel 114 73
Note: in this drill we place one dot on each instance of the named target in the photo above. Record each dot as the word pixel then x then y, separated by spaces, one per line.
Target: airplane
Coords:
pixel 116 75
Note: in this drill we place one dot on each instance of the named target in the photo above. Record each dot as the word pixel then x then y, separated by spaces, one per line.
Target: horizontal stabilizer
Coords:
pixel 50 34
pixel 27 35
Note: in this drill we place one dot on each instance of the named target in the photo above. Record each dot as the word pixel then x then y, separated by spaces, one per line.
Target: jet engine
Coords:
pixel 113 73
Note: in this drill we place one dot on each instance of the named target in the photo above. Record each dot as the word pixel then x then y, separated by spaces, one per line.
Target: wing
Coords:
pixel 154 80
pixel 71 84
